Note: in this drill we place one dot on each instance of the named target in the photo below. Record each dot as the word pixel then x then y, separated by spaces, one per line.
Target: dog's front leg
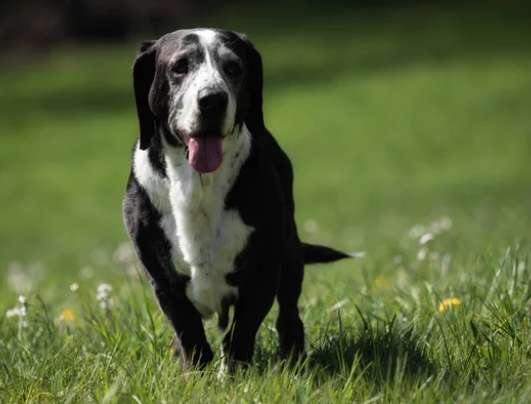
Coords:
pixel 186 321
pixel 154 252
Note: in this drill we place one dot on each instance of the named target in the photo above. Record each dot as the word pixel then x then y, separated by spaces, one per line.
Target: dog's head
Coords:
pixel 196 87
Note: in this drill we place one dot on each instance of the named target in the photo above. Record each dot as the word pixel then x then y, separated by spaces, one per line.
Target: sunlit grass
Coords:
pixel 391 344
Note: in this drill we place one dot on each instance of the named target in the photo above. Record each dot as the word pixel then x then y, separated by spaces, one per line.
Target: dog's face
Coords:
pixel 196 87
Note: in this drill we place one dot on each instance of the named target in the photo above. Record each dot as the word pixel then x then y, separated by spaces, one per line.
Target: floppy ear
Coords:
pixel 143 75
pixel 255 80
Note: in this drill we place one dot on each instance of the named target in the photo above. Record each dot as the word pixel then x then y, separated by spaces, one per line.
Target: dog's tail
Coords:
pixel 320 254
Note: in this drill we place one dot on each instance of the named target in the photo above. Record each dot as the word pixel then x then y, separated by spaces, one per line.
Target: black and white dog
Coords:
pixel 209 203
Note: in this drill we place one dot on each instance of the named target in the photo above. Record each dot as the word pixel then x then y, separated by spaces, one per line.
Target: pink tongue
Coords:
pixel 204 154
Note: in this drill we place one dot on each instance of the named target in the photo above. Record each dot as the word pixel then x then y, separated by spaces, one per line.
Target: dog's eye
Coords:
pixel 233 69
pixel 181 66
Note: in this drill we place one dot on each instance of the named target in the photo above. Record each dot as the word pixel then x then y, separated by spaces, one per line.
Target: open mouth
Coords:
pixel 204 152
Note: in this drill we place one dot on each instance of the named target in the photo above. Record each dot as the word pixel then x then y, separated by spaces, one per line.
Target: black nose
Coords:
pixel 215 101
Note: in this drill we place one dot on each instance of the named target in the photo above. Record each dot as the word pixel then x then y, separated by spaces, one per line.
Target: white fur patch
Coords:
pixel 206 36
pixel 205 237
pixel 155 185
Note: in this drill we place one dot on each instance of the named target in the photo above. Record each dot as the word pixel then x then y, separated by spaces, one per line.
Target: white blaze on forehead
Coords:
pixel 209 40
pixel 207 37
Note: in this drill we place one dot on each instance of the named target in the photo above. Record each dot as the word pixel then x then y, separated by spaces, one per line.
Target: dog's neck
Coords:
pixel 190 188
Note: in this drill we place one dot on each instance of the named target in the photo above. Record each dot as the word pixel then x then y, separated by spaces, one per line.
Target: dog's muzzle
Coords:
pixel 205 153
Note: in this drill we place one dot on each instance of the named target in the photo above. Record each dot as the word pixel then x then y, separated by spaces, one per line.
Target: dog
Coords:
pixel 209 201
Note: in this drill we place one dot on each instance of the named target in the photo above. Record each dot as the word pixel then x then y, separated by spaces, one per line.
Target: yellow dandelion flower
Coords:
pixel 382 282
pixel 451 303
pixel 67 315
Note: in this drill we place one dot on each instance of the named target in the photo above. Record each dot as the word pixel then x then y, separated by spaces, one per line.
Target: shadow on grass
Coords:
pixel 382 353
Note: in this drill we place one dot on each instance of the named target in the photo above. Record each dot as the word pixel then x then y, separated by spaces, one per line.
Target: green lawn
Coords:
pixel 399 123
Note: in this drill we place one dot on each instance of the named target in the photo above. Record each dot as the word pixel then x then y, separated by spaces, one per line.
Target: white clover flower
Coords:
pixel 103 295
pixel 74 287
pixel 105 304
pixel 13 313
pixel 338 305
pixel 104 289
pixel 19 311
pixel 435 228
pixel 422 254
pixel 441 225
pixel 417 231
pixel 445 223
pixel 426 238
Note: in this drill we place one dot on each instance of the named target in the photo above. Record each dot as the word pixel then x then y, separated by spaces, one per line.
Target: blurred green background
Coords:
pixel 393 115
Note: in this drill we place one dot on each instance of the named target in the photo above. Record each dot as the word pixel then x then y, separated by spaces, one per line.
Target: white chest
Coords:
pixel 205 237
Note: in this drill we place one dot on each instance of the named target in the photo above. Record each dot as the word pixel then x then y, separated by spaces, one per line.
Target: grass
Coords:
pixel 396 121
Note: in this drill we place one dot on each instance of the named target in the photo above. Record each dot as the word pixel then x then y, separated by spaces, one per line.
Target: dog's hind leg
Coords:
pixel 289 325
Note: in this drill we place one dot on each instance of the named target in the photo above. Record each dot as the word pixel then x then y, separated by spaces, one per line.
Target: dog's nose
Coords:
pixel 213 101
